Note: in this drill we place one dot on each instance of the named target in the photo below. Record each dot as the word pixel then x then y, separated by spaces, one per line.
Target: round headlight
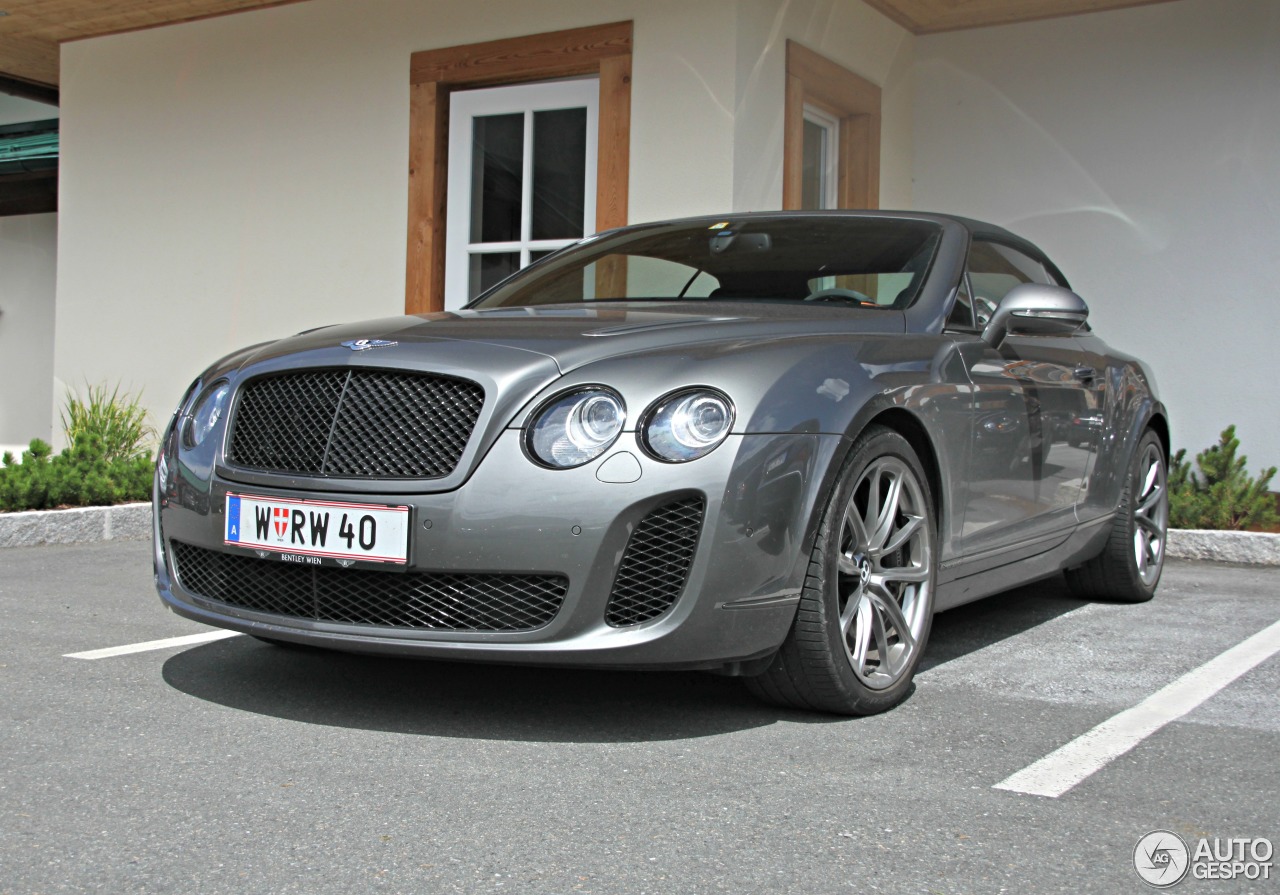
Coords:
pixel 207 413
pixel 576 428
pixel 688 425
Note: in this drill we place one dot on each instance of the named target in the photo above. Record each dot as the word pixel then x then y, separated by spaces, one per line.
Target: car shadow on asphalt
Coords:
pixel 966 629
pixel 475 701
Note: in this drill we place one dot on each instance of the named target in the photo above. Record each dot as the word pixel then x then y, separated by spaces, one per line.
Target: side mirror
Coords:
pixel 1036 309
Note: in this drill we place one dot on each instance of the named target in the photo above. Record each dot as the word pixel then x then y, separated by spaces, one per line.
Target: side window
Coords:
pixel 994 269
pixel 962 311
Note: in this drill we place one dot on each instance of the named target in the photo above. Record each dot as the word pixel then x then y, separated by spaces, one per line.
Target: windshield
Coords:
pixel 859 261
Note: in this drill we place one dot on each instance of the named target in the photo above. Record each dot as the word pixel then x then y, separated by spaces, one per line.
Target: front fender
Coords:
pixel 817 385
pixel 1133 407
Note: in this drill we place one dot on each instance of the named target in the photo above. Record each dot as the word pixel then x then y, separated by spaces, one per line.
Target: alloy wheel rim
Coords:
pixel 884 572
pixel 1150 515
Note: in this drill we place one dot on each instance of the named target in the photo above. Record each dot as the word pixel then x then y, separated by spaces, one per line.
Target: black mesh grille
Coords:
pixel 425 600
pixel 354 423
pixel 656 563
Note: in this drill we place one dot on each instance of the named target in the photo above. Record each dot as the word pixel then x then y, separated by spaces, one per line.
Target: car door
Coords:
pixel 1101 489
pixel 1029 455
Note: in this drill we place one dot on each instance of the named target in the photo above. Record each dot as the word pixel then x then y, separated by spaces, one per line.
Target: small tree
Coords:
pixel 1226 497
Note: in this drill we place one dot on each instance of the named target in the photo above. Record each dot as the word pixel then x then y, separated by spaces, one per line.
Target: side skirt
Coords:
pixel 1081 545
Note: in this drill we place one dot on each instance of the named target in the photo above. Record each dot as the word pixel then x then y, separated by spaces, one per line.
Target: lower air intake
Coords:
pixel 417 600
pixel 656 563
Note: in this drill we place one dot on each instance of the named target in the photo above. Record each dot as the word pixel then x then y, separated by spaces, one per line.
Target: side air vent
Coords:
pixel 655 565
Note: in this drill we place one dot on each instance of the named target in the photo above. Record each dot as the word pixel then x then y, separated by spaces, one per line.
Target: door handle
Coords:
pixel 1086 374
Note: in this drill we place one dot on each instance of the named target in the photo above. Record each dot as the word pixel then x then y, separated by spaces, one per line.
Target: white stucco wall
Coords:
pixel 28 261
pixel 242 178
pixel 1141 150
pixel 850 33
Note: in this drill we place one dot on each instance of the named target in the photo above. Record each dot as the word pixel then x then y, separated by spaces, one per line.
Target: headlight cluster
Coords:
pixel 576 427
pixel 209 410
pixel 687 425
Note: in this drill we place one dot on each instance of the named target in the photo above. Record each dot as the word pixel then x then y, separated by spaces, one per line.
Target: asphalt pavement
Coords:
pixel 232 766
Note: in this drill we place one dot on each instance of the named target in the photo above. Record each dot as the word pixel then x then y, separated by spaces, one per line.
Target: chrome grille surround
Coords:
pixel 353 423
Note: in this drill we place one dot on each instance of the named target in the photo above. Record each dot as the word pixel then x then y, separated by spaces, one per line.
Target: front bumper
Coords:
pixel 512 517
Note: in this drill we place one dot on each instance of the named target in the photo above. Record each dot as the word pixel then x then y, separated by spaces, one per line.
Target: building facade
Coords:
pixel 241 178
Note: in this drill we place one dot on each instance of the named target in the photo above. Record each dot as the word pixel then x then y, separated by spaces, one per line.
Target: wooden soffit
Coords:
pixel 933 16
pixel 31 30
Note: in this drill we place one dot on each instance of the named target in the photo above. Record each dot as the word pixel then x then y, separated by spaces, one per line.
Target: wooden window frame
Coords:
pixel 601 50
pixel 815 80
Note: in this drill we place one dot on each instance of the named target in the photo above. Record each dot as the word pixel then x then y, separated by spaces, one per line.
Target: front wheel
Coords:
pixel 867 604
pixel 1128 568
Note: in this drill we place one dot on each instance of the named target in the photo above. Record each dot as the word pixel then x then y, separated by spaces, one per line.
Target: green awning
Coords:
pixel 33 146
pixel 29 148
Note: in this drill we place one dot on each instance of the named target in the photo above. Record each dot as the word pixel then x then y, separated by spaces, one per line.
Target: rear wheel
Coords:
pixel 867 604
pixel 1128 568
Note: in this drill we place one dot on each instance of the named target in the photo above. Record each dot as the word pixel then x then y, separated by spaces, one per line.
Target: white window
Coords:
pixel 522 179
pixel 821 152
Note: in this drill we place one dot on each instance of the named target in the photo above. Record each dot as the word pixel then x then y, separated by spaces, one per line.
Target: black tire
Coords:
pixel 844 603
pixel 1129 566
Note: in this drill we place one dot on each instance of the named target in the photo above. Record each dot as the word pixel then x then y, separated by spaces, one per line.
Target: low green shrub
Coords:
pixel 80 476
pixel 1222 496
pixel 108 461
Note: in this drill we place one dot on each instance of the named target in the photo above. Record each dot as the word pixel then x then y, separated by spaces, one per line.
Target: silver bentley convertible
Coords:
pixel 766 445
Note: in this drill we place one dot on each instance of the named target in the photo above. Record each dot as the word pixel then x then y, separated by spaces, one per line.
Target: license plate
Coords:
pixel 319 528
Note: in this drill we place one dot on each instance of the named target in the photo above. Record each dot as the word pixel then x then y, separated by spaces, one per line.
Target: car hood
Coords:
pixel 572 336
pixel 517 354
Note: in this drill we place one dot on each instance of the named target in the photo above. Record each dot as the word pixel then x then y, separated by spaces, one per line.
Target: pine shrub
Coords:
pixel 80 476
pixel 1222 495
pixel 108 461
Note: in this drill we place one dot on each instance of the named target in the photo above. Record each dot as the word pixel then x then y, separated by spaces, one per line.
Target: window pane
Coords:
pixel 490 268
pixel 559 173
pixel 657 277
pixel 995 269
pixel 497 177
pixel 813 192
pixel 701 286
pixel 962 312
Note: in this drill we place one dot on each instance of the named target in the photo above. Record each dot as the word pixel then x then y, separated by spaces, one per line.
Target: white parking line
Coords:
pixel 189 640
pixel 1088 753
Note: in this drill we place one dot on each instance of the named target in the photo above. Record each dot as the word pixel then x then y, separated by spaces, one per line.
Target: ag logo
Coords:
pixel 1161 859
